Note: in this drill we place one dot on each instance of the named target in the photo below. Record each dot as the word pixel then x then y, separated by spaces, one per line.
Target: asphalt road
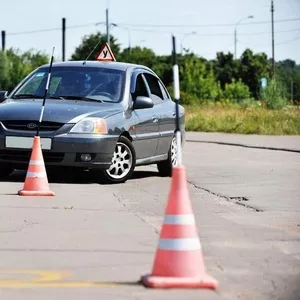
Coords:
pixel 94 241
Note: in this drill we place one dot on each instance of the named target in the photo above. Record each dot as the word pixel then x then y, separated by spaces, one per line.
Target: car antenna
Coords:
pixel 46 92
pixel 91 52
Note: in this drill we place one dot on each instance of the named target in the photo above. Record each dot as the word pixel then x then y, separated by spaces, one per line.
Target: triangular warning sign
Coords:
pixel 105 54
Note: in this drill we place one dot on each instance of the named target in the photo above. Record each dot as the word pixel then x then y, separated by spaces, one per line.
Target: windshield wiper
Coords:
pixel 78 98
pixel 24 96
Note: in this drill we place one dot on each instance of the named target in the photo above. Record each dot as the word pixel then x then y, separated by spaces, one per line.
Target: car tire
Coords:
pixel 5 171
pixel 123 164
pixel 165 167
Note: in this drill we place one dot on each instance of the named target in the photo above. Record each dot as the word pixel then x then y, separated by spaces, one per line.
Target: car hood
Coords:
pixel 61 111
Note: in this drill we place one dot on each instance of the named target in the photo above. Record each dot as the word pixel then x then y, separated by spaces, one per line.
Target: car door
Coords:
pixel 165 111
pixel 146 128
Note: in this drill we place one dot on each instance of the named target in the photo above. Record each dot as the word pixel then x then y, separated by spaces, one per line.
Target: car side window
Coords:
pixel 164 92
pixel 140 88
pixel 156 92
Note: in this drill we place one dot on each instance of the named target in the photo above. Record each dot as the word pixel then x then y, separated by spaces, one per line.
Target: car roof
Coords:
pixel 122 66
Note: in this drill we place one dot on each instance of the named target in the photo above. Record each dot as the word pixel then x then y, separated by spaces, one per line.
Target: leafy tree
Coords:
pixel 197 78
pixel 4 71
pixel 200 79
pixel 296 85
pixel 226 68
pixel 163 68
pixel 89 42
pixel 16 65
pixel 252 68
pixel 289 73
pixel 138 55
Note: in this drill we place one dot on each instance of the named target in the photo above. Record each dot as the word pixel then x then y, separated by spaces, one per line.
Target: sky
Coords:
pixel 204 27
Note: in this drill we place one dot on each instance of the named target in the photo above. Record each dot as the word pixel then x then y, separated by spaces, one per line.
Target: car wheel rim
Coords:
pixel 174 150
pixel 121 162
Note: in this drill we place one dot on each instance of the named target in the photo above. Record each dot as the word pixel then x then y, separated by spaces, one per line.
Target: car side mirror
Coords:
pixel 3 95
pixel 142 102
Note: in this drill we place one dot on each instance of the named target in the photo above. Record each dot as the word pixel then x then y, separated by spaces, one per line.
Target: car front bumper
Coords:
pixel 66 150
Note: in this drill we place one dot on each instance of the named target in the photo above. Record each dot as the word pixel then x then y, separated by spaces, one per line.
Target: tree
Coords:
pixel 226 68
pixel 15 66
pixel 4 71
pixel 197 78
pixel 289 73
pixel 89 42
pixel 138 55
pixel 163 68
pixel 252 68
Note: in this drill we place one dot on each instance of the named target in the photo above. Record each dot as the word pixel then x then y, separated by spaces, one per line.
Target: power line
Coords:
pixel 222 34
pixel 51 29
pixel 289 41
pixel 208 25
pixel 155 31
pixel 155 25
pixel 276 44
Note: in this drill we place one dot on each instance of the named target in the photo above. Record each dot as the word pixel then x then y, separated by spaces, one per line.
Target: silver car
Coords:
pixel 107 117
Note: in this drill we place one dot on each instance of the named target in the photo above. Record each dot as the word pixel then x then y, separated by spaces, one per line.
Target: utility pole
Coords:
pixel 107 28
pixel 235 41
pixel 63 39
pixel 3 34
pixel 273 50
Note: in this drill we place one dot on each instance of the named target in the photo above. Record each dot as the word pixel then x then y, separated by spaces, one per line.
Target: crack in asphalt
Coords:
pixel 235 200
pixel 135 214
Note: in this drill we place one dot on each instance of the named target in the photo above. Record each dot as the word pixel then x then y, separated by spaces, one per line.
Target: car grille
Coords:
pixel 24 156
pixel 24 125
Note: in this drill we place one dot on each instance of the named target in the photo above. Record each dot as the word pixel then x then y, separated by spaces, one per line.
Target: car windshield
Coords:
pixel 86 83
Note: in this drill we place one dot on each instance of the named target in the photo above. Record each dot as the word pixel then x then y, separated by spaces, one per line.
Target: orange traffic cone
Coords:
pixel 179 262
pixel 36 181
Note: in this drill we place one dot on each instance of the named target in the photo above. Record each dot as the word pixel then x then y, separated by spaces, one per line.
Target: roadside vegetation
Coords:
pixel 223 94
pixel 221 117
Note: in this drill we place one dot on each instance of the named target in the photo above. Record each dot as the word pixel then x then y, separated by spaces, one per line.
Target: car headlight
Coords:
pixel 90 125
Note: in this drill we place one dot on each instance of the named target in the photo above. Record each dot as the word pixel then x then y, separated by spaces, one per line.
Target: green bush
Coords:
pixel 185 98
pixel 274 94
pixel 236 91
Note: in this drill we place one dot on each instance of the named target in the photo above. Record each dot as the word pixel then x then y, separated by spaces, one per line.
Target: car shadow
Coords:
pixel 144 174
pixel 74 177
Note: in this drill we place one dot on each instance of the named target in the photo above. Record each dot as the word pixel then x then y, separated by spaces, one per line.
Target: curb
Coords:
pixel 244 145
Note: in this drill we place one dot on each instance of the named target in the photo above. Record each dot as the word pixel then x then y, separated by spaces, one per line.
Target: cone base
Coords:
pixel 35 193
pixel 206 282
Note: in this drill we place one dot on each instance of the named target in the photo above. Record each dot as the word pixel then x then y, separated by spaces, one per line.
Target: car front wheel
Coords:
pixel 123 162
pixel 165 167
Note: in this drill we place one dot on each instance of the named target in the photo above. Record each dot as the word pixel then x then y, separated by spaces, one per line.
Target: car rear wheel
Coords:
pixel 123 162
pixel 5 170
pixel 165 167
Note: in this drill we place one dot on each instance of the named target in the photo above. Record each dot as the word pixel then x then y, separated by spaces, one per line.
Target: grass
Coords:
pixel 238 119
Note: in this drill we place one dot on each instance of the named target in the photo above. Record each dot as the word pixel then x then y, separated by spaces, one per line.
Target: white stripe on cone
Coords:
pixel 187 219
pixel 36 163
pixel 36 174
pixel 187 244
